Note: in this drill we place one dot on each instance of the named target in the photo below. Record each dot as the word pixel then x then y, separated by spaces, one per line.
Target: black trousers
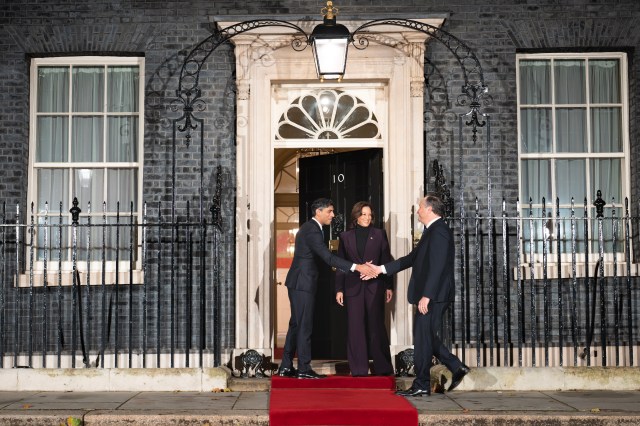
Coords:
pixel 427 343
pixel 366 332
pixel 299 333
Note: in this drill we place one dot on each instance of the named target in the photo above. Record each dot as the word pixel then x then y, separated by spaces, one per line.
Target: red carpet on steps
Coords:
pixel 338 400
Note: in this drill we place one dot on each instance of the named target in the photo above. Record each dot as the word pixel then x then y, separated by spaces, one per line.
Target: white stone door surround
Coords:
pixel 264 58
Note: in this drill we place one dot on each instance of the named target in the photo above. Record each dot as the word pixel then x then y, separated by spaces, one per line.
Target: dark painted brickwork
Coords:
pixel 165 31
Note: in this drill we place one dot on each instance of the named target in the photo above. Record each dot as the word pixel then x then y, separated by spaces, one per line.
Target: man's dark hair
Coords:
pixel 356 212
pixel 320 203
pixel 435 203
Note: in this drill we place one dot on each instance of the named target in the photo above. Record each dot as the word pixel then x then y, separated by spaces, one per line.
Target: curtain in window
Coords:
pixel 53 89
pixel 577 129
pixel 569 81
pixel 87 138
pixel 122 136
pixel 536 181
pixel 535 82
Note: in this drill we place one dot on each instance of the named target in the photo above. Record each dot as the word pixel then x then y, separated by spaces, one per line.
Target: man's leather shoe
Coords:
pixel 310 374
pixel 287 372
pixel 413 391
pixel 457 377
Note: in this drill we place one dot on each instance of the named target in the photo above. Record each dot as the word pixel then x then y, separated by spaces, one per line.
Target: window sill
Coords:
pixel 567 272
pixel 65 278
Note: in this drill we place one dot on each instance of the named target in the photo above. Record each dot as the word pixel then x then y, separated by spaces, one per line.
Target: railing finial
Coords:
pixel 75 211
pixel 599 203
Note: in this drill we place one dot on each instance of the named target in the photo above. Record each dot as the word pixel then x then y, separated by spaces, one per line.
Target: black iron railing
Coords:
pixel 538 289
pixel 534 288
pixel 125 290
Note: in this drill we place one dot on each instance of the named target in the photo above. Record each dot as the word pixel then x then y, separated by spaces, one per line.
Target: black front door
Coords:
pixel 346 178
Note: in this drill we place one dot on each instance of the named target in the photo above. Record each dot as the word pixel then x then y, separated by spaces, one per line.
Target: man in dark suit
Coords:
pixel 302 281
pixel 431 287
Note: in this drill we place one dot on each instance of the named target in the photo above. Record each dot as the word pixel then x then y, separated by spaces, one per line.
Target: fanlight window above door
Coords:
pixel 328 114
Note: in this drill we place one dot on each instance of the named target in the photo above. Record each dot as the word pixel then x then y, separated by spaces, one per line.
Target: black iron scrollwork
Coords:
pixel 474 95
pixel 442 189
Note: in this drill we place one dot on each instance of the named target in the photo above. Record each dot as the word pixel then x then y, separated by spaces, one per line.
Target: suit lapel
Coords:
pixel 370 246
pixel 352 246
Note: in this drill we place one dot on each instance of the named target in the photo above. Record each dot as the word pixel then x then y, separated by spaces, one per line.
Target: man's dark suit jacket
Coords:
pixel 432 267
pixel 376 250
pixel 309 250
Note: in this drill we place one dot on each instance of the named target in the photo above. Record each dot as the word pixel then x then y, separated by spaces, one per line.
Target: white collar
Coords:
pixel 431 222
pixel 316 221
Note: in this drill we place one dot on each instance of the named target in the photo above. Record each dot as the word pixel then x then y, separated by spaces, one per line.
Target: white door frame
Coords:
pixel 264 58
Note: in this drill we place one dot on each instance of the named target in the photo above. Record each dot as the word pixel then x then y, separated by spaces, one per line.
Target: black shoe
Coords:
pixel 310 374
pixel 413 391
pixel 458 376
pixel 287 372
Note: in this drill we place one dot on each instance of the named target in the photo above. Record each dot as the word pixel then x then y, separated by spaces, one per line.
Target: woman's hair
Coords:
pixel 356 212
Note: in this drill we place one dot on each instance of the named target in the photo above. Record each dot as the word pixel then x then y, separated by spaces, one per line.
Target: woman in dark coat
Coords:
pixel 365 299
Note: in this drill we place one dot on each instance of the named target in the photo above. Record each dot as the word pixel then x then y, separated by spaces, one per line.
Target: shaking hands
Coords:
pixel 368 270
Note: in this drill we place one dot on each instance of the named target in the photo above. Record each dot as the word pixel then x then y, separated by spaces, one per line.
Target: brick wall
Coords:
pixel 166 31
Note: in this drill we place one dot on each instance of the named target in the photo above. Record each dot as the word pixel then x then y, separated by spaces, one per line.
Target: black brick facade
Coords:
pixel 164 32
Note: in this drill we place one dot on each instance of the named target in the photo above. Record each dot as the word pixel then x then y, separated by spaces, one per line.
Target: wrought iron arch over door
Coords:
pixel 189 98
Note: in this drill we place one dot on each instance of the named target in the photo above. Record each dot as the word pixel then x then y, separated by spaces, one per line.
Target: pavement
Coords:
pixel 251 407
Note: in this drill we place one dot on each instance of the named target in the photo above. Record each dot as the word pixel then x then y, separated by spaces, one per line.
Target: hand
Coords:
pixel 367 271
pixel 423 305
pixel 340 298
pixel 389 296
pixel 377 270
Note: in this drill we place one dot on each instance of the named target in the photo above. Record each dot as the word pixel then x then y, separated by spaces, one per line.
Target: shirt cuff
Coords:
pixel 353 267
pixel 384 270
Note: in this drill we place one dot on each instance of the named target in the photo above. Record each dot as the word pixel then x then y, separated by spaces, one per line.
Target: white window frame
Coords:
pixel 96 211
pixel 566 258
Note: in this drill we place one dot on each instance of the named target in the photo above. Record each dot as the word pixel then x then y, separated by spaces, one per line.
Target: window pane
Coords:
pixel 327 103
pixel 53 187
pixel 343 107
pixel 535 225
pixel 52 139
pixel 88 186
pixel 56 235
pixel 606 177
pixel 607 230
pixel 310 105
pixel 122 133
pixel 88 89
pixel 122 90
pixel 86 140
pixel 535 130
pixel 571 130
pixel 536 181
pixel 572 231
pixel 119 237
pixel 122 186
pixel 606 129
pixel 569 81
pixel 535 82
pixel 53 89
pixel 571 180
pixel 287 131
pixel 604 80
pixel 297 115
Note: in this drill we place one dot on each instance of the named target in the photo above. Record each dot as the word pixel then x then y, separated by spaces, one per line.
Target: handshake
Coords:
pixel 368 270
